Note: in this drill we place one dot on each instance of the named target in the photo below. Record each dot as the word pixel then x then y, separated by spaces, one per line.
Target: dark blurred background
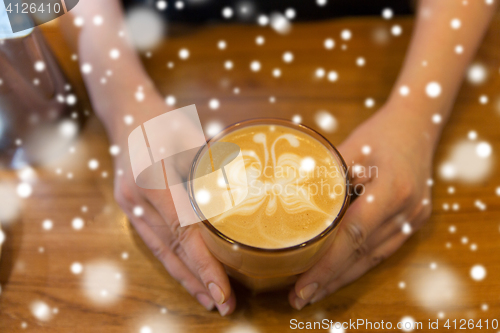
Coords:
pixel 200 11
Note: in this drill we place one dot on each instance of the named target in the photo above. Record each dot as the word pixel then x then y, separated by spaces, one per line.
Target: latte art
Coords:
pixel 295 188
pixel 270 189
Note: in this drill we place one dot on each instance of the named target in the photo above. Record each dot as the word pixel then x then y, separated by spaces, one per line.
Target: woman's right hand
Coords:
pixel 113 85
pixel 181 250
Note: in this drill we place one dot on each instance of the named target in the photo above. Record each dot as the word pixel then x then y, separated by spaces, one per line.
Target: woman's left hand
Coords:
pixel 394 158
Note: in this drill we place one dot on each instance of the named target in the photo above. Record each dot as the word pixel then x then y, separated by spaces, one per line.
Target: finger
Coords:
pixel 196 256
pixel 204 265
pixel 169 251
pixel 295 301
pixel 170 261
pixel 363 265
pixel 228 307
pixel 385 232
pixel 402 222
pixel 356 270
pixel 361 219
pixel 213 276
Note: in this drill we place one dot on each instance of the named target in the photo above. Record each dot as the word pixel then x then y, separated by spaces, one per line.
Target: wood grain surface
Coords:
pixel 36 263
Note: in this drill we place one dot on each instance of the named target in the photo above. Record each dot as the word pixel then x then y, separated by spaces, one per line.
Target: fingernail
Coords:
pixel 308 291
pixel 299 303
pixel 318 297
pixel 206 301
pixel 223 309
pixel 216 292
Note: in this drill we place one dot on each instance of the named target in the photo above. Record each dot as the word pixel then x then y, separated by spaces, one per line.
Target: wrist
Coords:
pixel 417 116
pixel 121 117
pixel 412 128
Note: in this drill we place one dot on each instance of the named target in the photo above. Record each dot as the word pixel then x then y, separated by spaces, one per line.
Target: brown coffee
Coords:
pixel 295 188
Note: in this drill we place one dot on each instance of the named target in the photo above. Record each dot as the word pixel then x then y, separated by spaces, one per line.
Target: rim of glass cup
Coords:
pixel 286 123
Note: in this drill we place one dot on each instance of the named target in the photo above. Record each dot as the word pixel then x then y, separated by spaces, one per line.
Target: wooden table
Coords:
pixel 35 263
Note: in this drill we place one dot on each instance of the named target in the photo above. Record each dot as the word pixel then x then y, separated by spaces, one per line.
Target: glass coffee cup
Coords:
pixel 264 269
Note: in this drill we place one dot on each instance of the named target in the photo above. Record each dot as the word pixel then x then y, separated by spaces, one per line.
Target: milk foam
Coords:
pixel 290 200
